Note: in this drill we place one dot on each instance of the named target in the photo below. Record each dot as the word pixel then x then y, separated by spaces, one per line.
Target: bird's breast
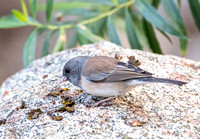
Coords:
pixel 103 89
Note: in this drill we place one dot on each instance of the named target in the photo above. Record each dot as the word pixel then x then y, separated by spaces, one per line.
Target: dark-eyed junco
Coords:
pixel 107 77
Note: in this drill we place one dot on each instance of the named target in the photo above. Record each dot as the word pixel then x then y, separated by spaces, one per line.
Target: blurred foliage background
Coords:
pixel 67 24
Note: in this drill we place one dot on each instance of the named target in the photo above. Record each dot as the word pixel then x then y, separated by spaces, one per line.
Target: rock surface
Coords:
pixel 152 110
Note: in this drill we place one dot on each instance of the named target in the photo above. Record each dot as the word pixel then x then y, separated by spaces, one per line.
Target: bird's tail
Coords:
pixel 162 80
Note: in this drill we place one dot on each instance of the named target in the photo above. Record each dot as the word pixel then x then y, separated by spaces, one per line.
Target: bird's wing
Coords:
pixel 106 69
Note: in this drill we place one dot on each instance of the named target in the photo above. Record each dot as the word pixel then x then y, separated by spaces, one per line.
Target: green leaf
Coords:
pixel 33 7
pixel 29 48
pixel 66 6
pixel 45 50
pixel 155 3
pixel 115 2
pixel 20 16
pixel 179 3
pixel 150 34
pixel 195 9
pixel 139 29
pixel 99 2
pixel 41 31
pixel 152 16
pixel 72 41
pixel 183 44
pixel 99 27
pixel 69 5
pixel 151 37
pixel 11 22
pixel 59 46
pixel 49 9
pixel 112 33
pixel 83 30
pixel 176 19
pixel 82 13
pixel 174 15
pixel 130 30
pixel 166 36
pixel 24 9
pixel 82 39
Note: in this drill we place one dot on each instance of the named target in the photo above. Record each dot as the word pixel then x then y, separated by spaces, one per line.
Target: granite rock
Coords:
pixel 152 110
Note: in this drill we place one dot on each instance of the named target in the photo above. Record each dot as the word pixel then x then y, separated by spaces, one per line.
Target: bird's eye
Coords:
pixel 67 71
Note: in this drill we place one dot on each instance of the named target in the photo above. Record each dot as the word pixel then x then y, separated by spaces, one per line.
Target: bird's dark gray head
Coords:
pixel 73 68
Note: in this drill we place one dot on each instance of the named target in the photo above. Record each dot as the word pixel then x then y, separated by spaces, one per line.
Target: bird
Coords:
pixel 107 77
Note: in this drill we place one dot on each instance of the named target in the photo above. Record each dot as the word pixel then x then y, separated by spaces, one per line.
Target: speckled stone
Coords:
pixel 162 110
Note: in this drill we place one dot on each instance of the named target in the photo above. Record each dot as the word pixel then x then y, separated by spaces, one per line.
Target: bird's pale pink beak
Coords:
pixel 64 79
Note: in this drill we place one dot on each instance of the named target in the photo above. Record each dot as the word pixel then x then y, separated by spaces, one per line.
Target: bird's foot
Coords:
pixel 101 102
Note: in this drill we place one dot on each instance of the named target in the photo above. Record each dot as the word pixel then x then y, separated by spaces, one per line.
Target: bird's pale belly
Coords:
pixel 104 89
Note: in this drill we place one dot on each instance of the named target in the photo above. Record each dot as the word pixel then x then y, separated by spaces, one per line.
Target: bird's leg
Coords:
pixel 101 101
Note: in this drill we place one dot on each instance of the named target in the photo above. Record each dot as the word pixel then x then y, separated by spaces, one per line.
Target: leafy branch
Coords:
pixel 97 20
pixel 84 22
